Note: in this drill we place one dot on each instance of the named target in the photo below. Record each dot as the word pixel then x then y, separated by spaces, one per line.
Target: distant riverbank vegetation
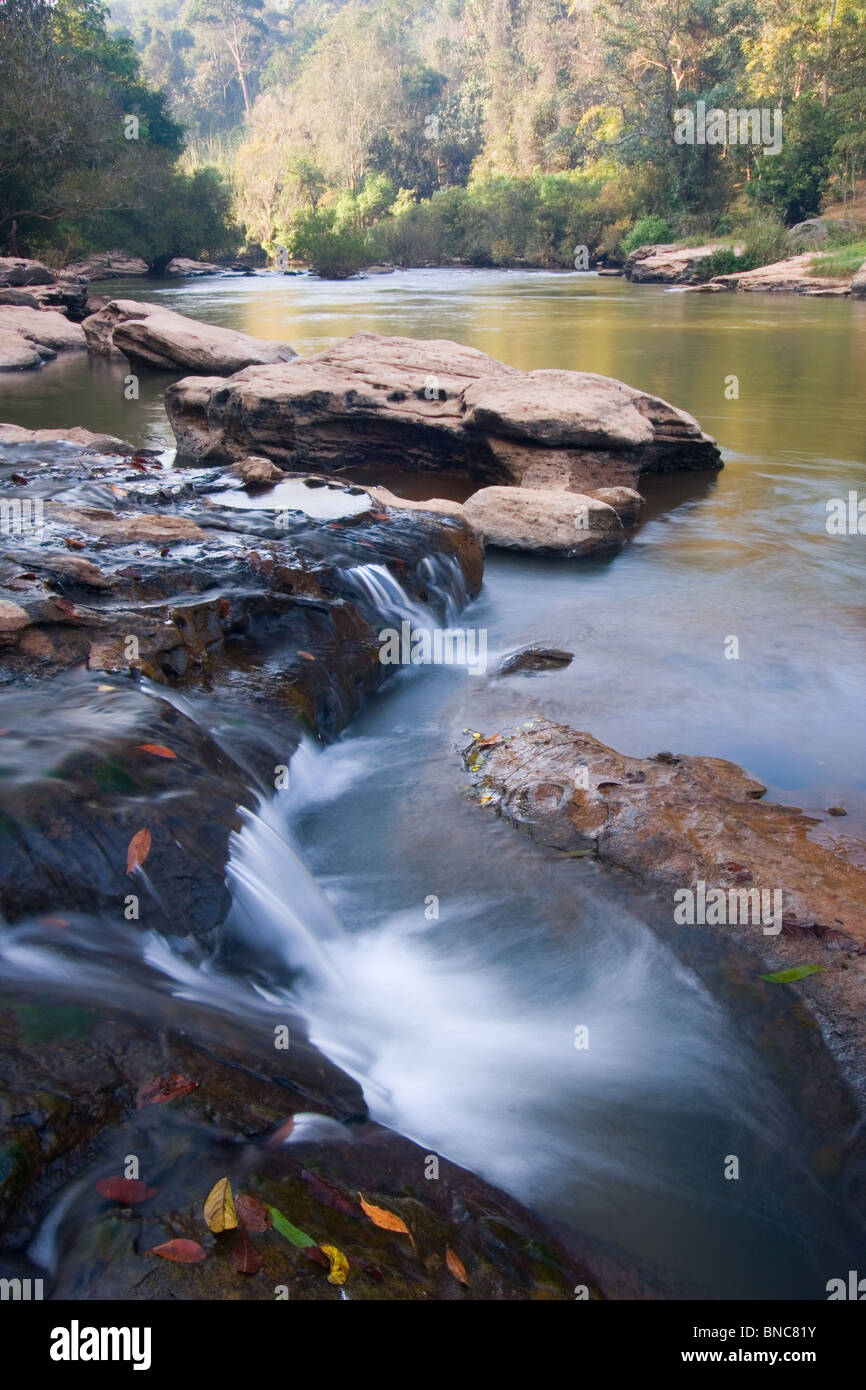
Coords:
pixel 478 132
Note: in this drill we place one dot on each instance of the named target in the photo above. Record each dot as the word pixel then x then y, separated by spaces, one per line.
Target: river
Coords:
pixel 461 1026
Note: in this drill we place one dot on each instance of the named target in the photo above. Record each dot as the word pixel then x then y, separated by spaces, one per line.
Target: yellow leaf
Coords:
pixel 456 1267
pixel 339 1264
pixel 386 1219
pixel 219 1208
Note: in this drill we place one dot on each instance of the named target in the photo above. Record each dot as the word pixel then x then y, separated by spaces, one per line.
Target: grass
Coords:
pixel 841 264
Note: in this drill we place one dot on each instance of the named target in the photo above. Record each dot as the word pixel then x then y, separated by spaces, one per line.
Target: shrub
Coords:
pixel 648 231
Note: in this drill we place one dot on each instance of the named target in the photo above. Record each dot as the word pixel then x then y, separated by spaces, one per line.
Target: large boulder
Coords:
pixel 109 265
pixel 181 265
pixel 667 264
pixel 816 230
pixel 29 337
pixel 153 336
pixel 858 284
pixel 400 404
pixel 543 520
pixel 16 271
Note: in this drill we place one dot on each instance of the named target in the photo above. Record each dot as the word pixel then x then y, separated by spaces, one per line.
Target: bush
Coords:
pixel 648 231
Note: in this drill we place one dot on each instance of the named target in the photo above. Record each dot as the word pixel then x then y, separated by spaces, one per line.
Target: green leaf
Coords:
pixel 285 1228
pixel 787 977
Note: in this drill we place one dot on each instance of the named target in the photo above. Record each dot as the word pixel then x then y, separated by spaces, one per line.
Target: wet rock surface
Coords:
pixel 674 821
pixel 249 630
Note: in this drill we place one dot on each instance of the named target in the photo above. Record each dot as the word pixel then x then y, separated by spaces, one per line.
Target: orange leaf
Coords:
pixel 456 1267
pixel 386 1219
pixel 139 849
pixel 158 748
pixel 73 544
pixel 308 656
pixel 488 742
pixel 180 1252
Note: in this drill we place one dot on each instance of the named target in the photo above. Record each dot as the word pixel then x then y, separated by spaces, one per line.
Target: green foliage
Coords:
pixel 793 183
pixel 647 231
pixel 840 264
pixel 70 176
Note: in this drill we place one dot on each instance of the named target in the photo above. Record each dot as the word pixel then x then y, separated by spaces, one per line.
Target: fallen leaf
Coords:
pixel 331 1195
pixel 158 749
pixel 245 1254
pixel 125 1190
pixel 291 1233
pixel 106 687
pixel 159 1089
pixel 315 1253
pixel 280 1134
pixel 180 1252
pixel 308 656
pixel 73 544
pixel 386 1219
pixel 456 1267
pixel 489 742
pixel 339 1264
pixel 787 977
pixel 219 1207
pixel 62 604
pixel 252 1213
pixel 139 849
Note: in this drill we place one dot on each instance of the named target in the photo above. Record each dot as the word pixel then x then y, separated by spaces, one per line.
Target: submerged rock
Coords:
pixel 408 405
pixel 531 660
pixel 153 336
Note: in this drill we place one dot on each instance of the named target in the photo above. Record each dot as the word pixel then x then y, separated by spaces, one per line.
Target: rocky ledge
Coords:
pixel 164 653
pixel 675 822
pixel 791 276
pixel 667 264
pixel 556 455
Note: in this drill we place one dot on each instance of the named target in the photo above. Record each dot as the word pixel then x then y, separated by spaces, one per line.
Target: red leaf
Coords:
pixel 139 849
pixel 245 1254
pixel 73 544
pixel 313 1252
pixel 331 1195
pixel 308 656
pixel 158 749
pixel 281 1134
pixel 180 1252
pixel 159 1089
pixel 252 1213
pixel 125 1190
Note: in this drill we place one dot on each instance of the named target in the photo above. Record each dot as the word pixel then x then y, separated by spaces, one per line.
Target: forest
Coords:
pixel 481 132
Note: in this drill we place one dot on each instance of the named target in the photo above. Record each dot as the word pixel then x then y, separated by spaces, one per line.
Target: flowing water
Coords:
pixel 444 960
